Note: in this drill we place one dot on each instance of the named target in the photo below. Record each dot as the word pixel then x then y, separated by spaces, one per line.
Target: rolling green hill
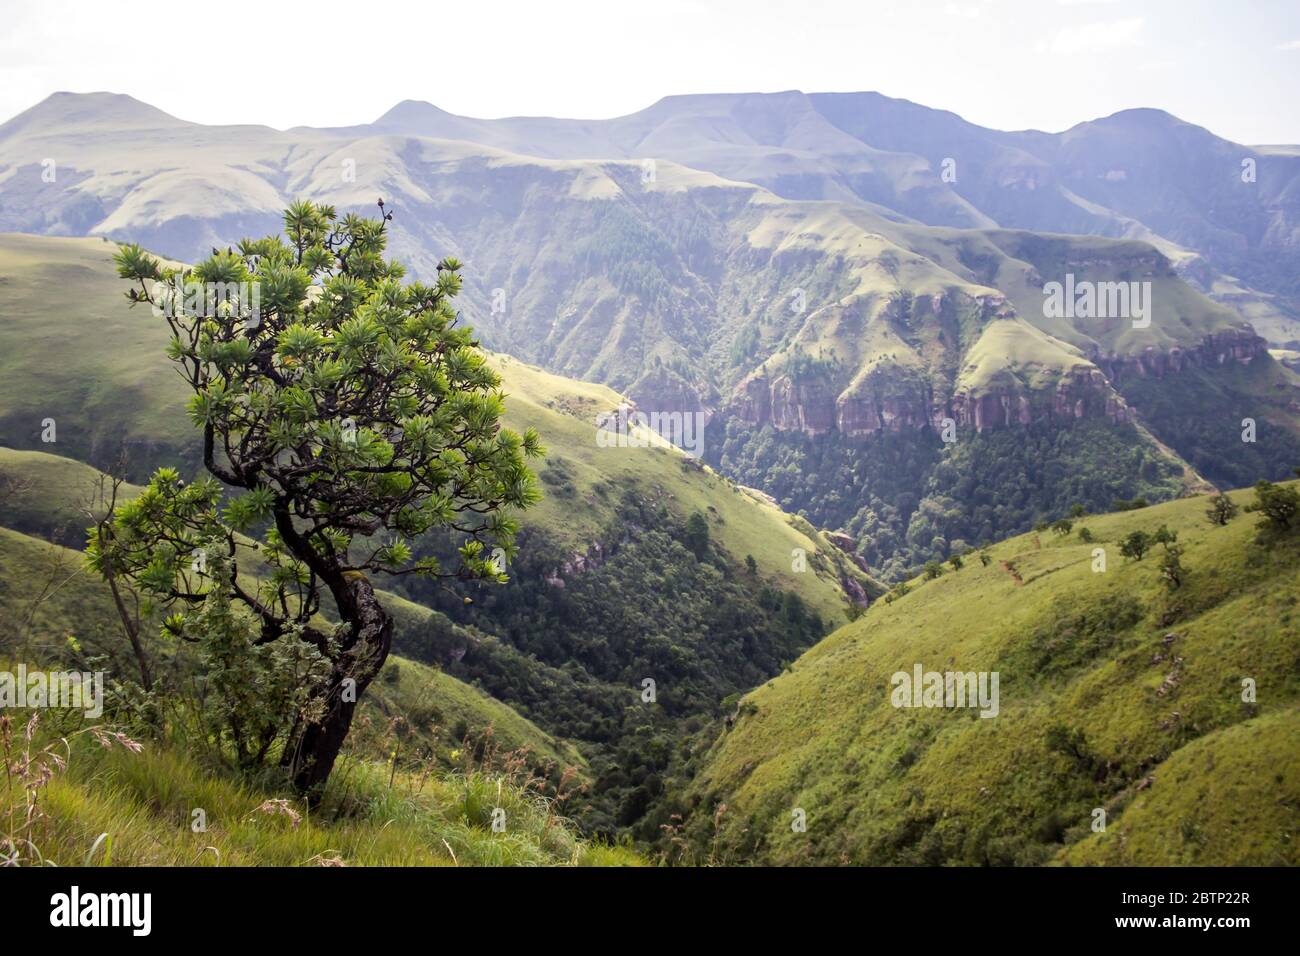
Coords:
pixel 1115 693
pixel 48 596
pixel 73 354
pixel 120 401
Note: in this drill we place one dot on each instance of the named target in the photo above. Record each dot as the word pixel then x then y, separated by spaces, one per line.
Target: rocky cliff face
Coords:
pixel 1082 393
pixel 903 404
pixel 812 407
pixel 807 406
pixel 1219 348
pixel 888 412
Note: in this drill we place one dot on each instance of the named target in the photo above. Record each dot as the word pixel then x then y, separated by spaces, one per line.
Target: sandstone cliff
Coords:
pixel 905 402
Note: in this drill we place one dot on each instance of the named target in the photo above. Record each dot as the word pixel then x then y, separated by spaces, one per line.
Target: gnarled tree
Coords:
pixel 346 413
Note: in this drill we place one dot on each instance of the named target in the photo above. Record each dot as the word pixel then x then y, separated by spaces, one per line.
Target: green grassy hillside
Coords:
pixel 72 349
pixel 50 598
pixel 429 760
pixel 1115 693
pixel 48 496
pixel 119 808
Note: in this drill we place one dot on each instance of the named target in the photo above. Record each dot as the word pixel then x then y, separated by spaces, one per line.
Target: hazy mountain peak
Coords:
pixel 696 104
pixel 1140 115
pixel 99 110
pixel 410 112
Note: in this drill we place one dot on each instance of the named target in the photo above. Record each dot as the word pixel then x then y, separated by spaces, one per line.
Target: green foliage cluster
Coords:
pixel 1278 506
pixel 1134 504
pixel 351 414
pixel 1221 509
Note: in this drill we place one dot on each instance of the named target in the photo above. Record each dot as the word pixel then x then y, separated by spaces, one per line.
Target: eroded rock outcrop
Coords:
pixel 1083 392
pixel 807 406
pixel 577 563
pixel 856 592
pixel 902 403
pixel 1218 348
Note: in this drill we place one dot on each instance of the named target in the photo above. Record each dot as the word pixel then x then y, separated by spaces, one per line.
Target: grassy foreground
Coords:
pixel 431 759
pixel 120 808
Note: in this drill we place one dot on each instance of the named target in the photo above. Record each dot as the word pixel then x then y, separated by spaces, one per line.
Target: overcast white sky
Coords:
pixel 1230 65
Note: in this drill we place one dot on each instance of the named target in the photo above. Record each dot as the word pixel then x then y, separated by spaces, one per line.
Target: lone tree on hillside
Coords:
pixel 697 535
pixel 1136 545
pixel 1279 505
pixel 1171 567
pixel 348 414
pixel 1222 509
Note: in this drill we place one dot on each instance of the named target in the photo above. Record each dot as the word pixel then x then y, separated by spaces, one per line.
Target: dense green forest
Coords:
pixel 911 498
pixel 663 603
pixel 1226 425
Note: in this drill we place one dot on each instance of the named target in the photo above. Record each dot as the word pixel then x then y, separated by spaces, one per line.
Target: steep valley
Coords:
pixel 911 452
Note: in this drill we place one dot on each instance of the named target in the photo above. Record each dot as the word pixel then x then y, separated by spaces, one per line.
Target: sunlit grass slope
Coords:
pixel 139 809
pixel 1115 693
pixel 47 596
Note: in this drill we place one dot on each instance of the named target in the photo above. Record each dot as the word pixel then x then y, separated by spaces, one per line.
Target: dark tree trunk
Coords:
pixel 311 753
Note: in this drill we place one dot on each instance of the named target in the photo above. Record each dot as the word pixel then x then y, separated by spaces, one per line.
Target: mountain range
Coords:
pixel 852 292
pixel 815 274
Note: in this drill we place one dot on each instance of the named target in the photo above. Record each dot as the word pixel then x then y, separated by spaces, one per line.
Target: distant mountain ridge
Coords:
pixel 800 265
pixel 703 251
pixel 1140 173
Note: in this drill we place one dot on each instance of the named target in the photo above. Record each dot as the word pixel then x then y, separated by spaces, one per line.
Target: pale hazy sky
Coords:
pixel 1230 65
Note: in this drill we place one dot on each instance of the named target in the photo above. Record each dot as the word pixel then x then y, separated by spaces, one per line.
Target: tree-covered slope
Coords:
pixel 907 500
